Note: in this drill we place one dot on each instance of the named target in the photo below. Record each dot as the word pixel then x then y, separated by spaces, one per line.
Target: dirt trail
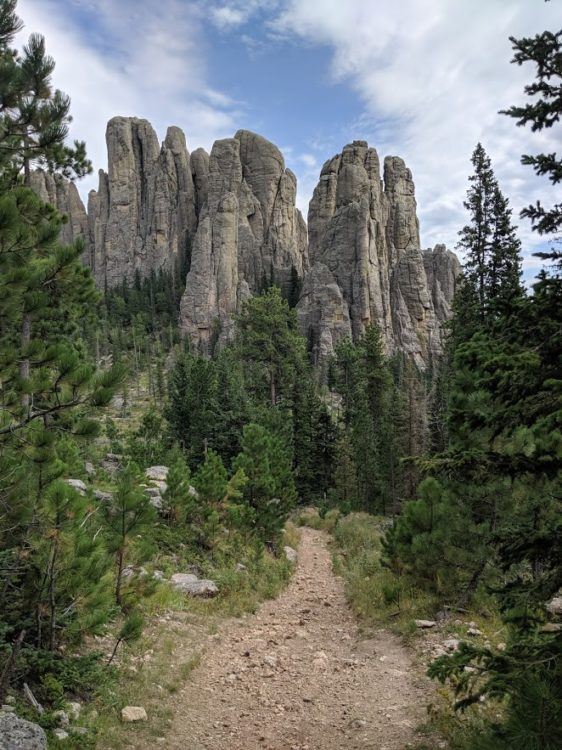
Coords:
pixel 298 676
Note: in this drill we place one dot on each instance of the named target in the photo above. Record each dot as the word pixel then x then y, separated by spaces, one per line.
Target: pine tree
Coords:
pixel 127 514
pixel 314 435
pixel 491 280
pixel 269 346
pixel 34 117
pixel 179 500
pixel 193 405
pixel 362 376
pixel 345 491
pixel 270 489
pixel 545 51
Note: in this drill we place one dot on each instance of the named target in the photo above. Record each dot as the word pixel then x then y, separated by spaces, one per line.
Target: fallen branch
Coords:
pixel 32 699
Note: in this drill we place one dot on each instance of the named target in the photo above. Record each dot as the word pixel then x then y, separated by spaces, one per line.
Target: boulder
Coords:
pixel 424 624
pixel 554 607
pixel 451 644
pixel 18 734
pixel 103 497
pixel 133 713
pixel 78 485
pixel 112 463
pixel 157 473
pixel 62 718
pixel 189 583
pixel 74 709
pixel 290 554
pixel 474 632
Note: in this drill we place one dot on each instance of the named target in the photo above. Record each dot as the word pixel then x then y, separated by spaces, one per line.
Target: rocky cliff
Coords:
pixel 63 194
pixel 230 218
pixel 367 265
pixel 250 235
pixel 143 217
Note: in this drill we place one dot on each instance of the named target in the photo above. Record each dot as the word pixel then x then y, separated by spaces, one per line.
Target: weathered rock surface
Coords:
pixel 367 265
pixel 143 216
pixel 133 713
pixel 230 217
pixel 554 607
pixel 249 235
pixel 442 269
pixel 290 554
pixel 18 734
pixel 189 583
pixel 64 195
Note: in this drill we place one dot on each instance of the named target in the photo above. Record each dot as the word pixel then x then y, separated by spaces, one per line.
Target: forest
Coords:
pixel 441 487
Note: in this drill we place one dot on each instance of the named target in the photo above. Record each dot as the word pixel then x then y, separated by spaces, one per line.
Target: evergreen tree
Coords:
pixel 314 435
pixel 233 405
pixel 270 489
pixel 492 269
pixel 362 376
pixel 269 346
pixel 508 428
pixel 345 490
pixel 126 514
pixel 179 501
pixel 34 117
pixel 193 405
pixel 545 51
pixel 217 500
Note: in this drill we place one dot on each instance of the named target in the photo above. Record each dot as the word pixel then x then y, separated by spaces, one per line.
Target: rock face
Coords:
pixel 64 195
pixel 143 216
pixel 189 583
pixel 442 268
pixel 229 219
pixel 18 734
pixel 249 235
pixel 366 262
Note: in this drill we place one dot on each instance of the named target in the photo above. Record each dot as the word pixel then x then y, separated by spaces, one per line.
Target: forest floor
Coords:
pixel 300 675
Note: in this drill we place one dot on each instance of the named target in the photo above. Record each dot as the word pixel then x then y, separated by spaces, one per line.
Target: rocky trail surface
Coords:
pixel 298 675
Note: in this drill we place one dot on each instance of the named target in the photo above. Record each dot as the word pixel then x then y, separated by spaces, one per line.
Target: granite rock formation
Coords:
pixel 249 235
pixel 64 195
pixel 366 262
pixel 143 217
pixel 230 219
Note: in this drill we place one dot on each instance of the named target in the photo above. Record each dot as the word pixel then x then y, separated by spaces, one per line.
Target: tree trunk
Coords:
pixel 52 597
pixel 9 665
pixel 120 556
pixel 112 657
pixel 24 367
pixel 473 583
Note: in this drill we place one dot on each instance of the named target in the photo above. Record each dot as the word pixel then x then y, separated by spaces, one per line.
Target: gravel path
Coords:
pixel 298 676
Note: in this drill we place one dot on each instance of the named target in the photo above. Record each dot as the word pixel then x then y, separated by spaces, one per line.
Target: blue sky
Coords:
pixel 422 79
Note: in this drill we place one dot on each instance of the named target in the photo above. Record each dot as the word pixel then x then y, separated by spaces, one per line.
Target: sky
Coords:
pixel 421 79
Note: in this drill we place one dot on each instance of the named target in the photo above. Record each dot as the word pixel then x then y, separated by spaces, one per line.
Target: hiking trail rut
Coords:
pixel 298 675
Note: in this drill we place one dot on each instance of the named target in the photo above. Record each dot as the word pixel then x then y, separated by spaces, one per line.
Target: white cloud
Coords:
pixel 225 17
pixel 432 75
pixel 233 13
pixel 134 61
pixel 309 160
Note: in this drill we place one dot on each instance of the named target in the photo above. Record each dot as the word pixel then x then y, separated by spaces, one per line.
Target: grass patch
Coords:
pixel 375 593
pixel 317 519
pixel 379 597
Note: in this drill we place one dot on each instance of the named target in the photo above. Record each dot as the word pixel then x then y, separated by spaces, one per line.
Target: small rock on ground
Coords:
pixel 133 713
